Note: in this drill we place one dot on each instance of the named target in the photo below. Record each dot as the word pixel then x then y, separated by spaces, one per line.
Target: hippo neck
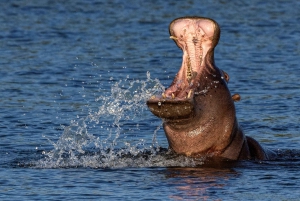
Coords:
pixel 213 121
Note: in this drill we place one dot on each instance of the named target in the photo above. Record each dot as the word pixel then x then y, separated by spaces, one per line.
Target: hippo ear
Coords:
pixel 208 26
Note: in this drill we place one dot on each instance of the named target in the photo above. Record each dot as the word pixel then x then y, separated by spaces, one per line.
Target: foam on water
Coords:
pixel 125 105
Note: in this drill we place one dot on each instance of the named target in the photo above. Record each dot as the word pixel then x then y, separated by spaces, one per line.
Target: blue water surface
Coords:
pixel 75 76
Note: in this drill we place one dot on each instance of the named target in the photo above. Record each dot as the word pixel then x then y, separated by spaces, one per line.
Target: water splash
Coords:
pixel 118 117
pixel 107 138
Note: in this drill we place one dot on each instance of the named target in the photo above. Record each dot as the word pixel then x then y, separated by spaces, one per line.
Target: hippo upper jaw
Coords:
pixel 195 37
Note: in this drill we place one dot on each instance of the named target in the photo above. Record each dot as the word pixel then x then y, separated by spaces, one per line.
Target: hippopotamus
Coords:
pixel 198 111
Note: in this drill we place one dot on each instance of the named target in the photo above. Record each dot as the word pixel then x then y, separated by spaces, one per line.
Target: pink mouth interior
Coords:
pixel 194 36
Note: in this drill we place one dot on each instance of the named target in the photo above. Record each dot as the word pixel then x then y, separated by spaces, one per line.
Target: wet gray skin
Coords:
pixel 197 109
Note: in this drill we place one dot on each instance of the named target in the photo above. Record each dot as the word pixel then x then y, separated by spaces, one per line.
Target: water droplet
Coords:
pixel 148 75
pixel 159 103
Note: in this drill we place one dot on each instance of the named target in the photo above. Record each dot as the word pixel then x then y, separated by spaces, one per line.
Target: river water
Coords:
pixel 75 76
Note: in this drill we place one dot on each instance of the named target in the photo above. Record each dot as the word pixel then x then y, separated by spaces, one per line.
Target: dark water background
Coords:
pixel 74 81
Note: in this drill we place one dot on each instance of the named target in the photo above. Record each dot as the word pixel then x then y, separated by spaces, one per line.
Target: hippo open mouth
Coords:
pixel 195 37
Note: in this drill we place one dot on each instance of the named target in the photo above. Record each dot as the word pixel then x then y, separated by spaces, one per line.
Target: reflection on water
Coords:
pixel 198 183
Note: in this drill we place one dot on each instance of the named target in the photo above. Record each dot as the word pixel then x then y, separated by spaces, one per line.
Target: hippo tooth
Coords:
pixel 164 95
pixel 152 97
pixel 189 69
pixel 173 37
pixel 173 96
pixel 189 94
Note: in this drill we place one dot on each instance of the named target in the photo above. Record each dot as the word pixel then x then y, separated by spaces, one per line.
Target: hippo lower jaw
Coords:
pixel 171 108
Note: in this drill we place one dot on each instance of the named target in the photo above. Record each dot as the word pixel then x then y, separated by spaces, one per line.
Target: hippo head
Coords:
pixel 197 108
